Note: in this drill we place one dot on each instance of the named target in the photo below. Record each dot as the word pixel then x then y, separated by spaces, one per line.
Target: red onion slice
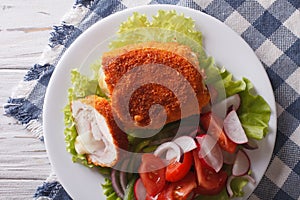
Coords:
pixel 116 183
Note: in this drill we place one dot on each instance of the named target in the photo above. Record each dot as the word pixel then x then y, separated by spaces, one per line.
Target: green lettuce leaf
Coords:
pixel 231 86
pixel 172 21
pixel 129 191
pixel 211 71
pixel 108 190
pixel 84 86
pixel 254 112
pixel 137 20
pixel 237 184
pixel 221 196
pixel 95 67
pixel 221 79
pixel 166 26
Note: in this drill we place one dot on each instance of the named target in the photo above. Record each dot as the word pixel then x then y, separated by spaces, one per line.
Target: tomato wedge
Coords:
pixel 177 170
pixel 209 182
pixel 180 190
pixel 152 173
pixel 214 124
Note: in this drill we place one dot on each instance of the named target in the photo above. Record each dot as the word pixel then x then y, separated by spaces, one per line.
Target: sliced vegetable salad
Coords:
pixel 209 162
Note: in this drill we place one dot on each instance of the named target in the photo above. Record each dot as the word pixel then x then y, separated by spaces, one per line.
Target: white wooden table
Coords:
pixel 24 33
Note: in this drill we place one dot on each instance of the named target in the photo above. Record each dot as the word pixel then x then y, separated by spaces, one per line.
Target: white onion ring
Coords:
pixel 171 149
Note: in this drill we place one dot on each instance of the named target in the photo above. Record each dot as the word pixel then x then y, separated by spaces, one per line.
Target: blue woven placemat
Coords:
pixel 270 27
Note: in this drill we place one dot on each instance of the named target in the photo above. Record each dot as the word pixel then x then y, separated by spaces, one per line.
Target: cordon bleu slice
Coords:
pixel 99 137
pixel 147 57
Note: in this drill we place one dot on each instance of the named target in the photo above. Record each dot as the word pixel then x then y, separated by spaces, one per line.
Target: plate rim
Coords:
pixel 92 28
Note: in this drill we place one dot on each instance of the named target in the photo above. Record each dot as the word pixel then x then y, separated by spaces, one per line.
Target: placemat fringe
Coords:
pixel 35 128
pixel 23 89
pixel 75 15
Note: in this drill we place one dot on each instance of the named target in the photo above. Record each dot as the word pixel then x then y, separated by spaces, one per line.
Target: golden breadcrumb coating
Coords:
pixel 115 64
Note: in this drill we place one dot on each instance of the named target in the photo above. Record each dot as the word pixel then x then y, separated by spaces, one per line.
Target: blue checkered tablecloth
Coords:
pixel 270 27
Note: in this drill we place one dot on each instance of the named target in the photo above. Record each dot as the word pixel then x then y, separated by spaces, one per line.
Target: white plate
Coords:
pixel 228 49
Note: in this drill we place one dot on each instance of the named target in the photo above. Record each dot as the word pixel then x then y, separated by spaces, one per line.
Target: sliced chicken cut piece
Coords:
pixel 153 62
pixel 99 137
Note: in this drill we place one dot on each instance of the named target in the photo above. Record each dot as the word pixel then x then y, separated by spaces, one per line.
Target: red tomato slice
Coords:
pixel 209 182
pixel 152 173
pixel 176 170
pixel 214 124
pixel 180 190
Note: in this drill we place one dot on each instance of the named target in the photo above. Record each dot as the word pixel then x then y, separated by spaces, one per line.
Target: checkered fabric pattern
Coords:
pixel 270 27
